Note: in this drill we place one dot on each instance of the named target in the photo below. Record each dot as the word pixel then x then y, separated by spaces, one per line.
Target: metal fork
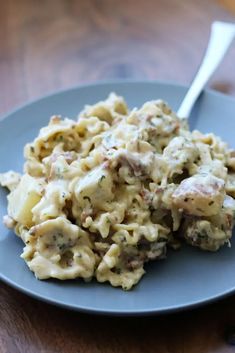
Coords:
pixel 221 37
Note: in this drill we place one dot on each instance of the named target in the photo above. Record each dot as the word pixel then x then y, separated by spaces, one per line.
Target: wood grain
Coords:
pixel 228 4
pixel 29 326
pixel 47 45
pixel 52 44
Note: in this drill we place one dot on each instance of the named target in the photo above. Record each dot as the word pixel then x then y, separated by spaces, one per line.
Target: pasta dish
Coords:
pixel 102 195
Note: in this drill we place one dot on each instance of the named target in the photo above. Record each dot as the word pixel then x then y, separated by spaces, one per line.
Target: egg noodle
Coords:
pixel 103 195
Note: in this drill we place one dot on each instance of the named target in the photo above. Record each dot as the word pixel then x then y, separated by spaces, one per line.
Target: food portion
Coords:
pixel 103 195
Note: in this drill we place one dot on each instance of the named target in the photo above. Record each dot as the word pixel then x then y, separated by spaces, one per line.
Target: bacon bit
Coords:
pixel 149 117
pixel 106 164
pixel 142 193
pixel 146 196
pixel 86 214
pixel 68 156
pixel 43 191
pixel 133 264
pixel 159 190
pixel 33 231
pixel 56 119
pixel 176 127
pixel 232 153
pixel 137 168
pixel 229 220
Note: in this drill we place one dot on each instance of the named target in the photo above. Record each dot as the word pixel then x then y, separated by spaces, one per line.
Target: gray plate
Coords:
pixel 187 278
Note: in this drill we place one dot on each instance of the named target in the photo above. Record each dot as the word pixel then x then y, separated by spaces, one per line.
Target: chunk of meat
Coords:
pixel 230 184
pixel 140 164
pixel 213 232
pixel 180 153
pixel 200 195
pixel 205 235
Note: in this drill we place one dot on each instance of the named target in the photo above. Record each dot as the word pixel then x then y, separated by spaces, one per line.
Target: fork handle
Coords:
pixel 221 37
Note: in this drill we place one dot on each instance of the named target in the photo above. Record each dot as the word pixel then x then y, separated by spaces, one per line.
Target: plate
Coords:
pixel 187 278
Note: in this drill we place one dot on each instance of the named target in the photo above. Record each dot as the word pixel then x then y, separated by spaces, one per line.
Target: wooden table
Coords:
pixel 47 45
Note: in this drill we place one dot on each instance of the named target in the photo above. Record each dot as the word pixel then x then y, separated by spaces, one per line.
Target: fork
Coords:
pixel 222 35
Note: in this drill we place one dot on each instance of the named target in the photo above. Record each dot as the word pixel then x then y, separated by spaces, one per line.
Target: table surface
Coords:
pixel 48 45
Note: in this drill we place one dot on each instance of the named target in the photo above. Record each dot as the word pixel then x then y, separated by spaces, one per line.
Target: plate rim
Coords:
pixel 113 312
pixel 117 312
